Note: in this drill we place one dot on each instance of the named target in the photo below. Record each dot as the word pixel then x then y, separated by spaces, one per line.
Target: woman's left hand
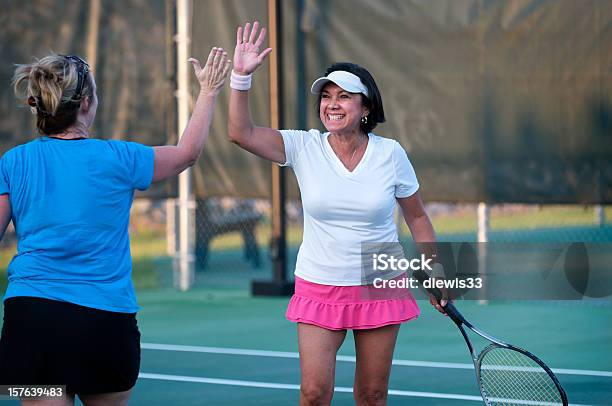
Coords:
pixel 439 305
pixel 214 73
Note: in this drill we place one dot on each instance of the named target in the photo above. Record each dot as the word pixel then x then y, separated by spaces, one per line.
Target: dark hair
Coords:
pixel 55 86
pixel 373 102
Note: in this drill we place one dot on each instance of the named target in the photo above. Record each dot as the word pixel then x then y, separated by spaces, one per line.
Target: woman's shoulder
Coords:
pixel 304 137
pixel 312 133
pixel 20 149
pixel 120 145
pixel 385 144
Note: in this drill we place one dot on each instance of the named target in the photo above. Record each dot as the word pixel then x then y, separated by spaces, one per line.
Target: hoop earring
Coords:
pixel 364 120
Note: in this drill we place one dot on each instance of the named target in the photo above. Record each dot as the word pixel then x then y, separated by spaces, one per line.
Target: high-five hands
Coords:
pixel 247 57
pixel 212 76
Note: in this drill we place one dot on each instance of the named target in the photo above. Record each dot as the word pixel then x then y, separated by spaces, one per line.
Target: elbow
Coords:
pixel 414 219
pixel 232 137
pixel 235 137
pixel 188 161
pixel 238 135
pixel 421 218
pixel 191 161
pixel 234 141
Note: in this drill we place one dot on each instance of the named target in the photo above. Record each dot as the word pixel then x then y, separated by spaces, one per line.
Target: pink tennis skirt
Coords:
pixel 349 307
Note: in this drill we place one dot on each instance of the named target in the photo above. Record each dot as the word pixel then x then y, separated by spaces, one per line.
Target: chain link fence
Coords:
pixel 521 222
pixel 232 236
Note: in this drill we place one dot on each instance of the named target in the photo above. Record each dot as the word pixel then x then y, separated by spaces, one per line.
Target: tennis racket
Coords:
pixel 505 374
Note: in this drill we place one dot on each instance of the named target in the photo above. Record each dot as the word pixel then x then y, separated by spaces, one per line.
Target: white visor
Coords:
pixel 346 80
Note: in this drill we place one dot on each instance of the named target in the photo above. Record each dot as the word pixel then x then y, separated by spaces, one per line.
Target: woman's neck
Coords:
pixel 74 131
pixel 348 141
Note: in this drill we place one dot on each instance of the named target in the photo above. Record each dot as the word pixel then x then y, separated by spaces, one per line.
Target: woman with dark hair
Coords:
pixel 70 308
pixel 350 181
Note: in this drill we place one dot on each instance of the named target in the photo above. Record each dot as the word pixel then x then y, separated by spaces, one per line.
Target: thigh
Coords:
pixel 99 353
pixel 50 342
pixel 106 399
pixel 318 347
pixel 374 352
pixel 66 400
pixel 22 344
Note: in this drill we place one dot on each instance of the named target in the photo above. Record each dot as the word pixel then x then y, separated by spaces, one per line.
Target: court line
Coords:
pixel 345 358
pixel 343 389
pixel 271 385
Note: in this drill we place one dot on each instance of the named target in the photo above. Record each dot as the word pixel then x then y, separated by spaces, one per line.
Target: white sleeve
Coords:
pixel 294 141
pixel 406 183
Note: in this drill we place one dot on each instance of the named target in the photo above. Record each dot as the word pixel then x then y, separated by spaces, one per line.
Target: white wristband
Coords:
pixel 240 82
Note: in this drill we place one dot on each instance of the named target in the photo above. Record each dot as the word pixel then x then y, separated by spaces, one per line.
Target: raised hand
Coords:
pixel 247 57
pixel 213 75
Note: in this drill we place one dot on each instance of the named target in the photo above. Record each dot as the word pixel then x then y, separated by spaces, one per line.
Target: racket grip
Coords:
pixel 454 314
pixel 421 276
pixel 449 308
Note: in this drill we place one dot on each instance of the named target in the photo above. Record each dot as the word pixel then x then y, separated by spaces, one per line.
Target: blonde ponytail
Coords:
pixel 50 84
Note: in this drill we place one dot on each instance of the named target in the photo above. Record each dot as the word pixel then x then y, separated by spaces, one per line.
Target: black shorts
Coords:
pixel 47 342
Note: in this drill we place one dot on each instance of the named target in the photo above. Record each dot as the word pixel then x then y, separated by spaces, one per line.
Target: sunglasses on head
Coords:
pixel 82 71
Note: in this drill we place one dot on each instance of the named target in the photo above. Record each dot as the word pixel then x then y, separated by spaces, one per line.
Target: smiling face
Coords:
pixel 341 111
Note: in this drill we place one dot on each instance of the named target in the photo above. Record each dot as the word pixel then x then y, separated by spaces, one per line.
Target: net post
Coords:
pixel 600 215
pixel 482 241
pixel 171 227
pixel 279 285
pixel 184 263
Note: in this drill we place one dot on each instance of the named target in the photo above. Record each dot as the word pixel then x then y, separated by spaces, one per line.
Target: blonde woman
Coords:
pixel 70 308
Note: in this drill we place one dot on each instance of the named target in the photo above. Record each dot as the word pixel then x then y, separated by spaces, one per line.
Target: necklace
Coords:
pixel 67 139
pixel 353 155
pixel 359 144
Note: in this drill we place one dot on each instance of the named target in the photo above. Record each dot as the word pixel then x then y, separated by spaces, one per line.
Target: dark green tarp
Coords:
pixel 496 101
pixel 134 64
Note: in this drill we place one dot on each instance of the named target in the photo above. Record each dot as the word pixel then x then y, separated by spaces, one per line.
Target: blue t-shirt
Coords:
pixel 71 204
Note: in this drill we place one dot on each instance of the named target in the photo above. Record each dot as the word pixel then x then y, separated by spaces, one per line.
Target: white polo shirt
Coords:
pixel 344 209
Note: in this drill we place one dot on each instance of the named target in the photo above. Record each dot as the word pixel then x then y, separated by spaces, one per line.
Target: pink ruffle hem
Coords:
pixel 349 307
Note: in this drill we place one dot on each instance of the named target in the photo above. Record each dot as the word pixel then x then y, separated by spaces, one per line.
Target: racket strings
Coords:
pixel 509 377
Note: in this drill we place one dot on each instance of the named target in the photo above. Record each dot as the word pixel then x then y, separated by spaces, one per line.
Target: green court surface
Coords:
pixel 223 347
pixel 218 345
pixel 567 335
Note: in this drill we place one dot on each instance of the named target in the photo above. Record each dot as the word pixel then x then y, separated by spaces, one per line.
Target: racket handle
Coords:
pixel 449 308
pixel 454 314
pixel 421 276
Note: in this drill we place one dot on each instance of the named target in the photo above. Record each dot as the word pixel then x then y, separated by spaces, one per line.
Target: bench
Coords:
pixel 213 219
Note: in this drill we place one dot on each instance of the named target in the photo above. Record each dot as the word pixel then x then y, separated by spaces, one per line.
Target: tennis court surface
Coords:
pixel 223 347
pixel 218 345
